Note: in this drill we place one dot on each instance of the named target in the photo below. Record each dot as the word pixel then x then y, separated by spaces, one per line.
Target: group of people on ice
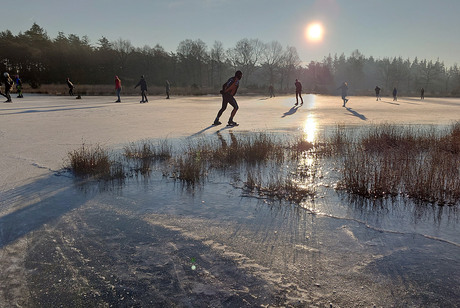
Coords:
pixel 229 89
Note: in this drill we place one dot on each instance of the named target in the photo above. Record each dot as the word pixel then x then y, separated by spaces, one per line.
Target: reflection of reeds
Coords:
pixel 94 161
pixel 278 187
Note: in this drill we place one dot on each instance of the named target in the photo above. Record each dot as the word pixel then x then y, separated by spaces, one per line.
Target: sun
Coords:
pixel 314 32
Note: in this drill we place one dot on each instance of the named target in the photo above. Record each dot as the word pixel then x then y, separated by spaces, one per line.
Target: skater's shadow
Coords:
pixel 201 131
pixel 391 103
pixel 357 114
pixel 290 111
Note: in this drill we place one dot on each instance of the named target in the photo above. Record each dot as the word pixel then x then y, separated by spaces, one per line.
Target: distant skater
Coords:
pixel 18 82
pixel 377 93
pixel 344 88
pixel 298 92
pixel 395 94
pixel 168 88
pixel 8 87
pixel 118 88
pixel 228 92
pixel 422 93
pixel 71 86
pixel 271 91
pixel 143 85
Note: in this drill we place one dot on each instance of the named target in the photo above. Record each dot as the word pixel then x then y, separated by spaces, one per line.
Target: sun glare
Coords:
pixel 314 32
pixel 310 129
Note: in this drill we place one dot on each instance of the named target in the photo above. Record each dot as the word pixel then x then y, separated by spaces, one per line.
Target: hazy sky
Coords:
pixel 427 29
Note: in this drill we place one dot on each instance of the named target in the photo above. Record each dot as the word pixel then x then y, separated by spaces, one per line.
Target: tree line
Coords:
pixel 39 59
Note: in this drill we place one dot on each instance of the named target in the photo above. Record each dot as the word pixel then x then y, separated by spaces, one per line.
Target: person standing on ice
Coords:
pixel 70 85
pixel 18 82
pixel 168 88
pixel 344 88
pixel 228 92
pixel 298 92
pixel 118 88
pixel 395 94
pixel 422 93
pixel 271 91
pixel 8 87
pixel 377 92
pixel 143 85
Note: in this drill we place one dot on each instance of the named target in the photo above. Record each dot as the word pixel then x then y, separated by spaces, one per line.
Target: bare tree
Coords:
pixel 430 72
pixel 246 55
pixel 217 61
pixel 289 63
pixel 193 56
pixel 272 57
pixel 123 49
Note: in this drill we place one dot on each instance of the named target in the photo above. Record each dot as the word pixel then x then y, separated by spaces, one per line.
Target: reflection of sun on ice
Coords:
pixel 314 32
pixel 309 129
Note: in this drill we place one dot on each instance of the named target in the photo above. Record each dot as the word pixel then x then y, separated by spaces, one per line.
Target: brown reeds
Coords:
pixel 390 160
pixel 374 162
pixel 94 161
pixel 148 150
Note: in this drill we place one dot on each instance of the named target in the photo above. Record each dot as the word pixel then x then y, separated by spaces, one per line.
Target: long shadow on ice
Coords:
pixel 37 203
pixel 357 114
pixel 290 111
pixel 51 110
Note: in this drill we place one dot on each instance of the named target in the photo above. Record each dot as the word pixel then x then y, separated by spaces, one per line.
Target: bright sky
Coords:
pixel 379 28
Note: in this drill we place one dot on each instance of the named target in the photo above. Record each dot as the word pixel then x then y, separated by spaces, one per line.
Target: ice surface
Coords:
pixel 68 243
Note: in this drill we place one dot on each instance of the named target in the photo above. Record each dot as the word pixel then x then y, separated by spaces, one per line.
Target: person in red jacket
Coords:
pixel 118 88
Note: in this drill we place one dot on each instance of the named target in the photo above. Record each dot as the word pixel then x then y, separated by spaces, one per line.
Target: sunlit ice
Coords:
pixel 309 129
pixel 314 32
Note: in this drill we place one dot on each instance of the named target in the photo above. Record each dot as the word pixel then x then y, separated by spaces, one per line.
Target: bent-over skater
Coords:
pixel 228 92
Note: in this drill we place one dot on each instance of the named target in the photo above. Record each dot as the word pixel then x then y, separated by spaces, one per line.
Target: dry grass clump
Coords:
pixel 334 143
pixel 435 178
pixel 221 154
pixel 247 148
pixel 94 161
pixel 145 153
pixel 390 160
pixel 189 168
pixel 147 150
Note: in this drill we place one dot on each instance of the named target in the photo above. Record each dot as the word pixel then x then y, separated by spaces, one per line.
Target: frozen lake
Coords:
pixel 150 241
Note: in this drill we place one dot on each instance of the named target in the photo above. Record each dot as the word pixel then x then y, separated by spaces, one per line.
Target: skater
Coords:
pixel 70 85
pixel 228 92
pixel 18 82
pixel 8 87
pixel 422 93
pixel 271 91
pixel 118 88
pixel 143 85
pixel 344 88
pixel 395 94
pixel 298 92
pixel 377 93
pixel 168 88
